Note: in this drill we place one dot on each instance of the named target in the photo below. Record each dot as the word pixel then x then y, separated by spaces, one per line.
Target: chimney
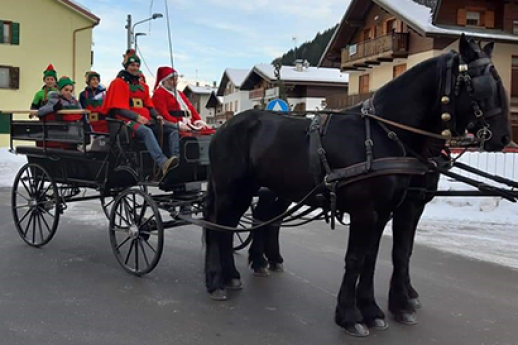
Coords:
pixel 299 65
pixel 306 64
pixel 214 84
pixel 197 83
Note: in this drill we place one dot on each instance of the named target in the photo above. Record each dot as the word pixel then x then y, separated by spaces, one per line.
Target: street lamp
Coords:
pixel 136 38
pixel 131 29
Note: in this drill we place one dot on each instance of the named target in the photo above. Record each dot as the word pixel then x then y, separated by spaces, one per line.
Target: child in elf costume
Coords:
pixel 128 100
pixel 49 78
pixel 92 98
pixel 62 100
pixel 174 106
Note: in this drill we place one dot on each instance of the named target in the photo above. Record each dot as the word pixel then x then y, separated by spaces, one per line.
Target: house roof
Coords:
pixel 235 75
pixel 214 101
pixel 200 90
pixel 310 75
pixel 417 14
pixel 73 5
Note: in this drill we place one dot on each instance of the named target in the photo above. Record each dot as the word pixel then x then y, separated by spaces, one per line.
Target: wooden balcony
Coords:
pixel 375 51
pixel 256 94
pixel 224 116
pixel 344 101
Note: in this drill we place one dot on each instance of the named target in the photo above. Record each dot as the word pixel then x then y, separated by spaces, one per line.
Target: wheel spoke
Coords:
pixel 149 245
pixel 46 224
pixel 24 216
pixel 23 196
pixel 127 211
pixel 47 212
pixel 26 188
pixel 34 229
pixel 136 253
pixel 40 227
pixel 129 254
pixel 122 218
pixel 142 212
pixel 146 221
pixel 28 225
pixel 123 243
pixel 239 236
pixel 22 206
pixel 143 251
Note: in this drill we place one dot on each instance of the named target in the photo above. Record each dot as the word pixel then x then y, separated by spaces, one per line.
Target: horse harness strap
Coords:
pixel 337 178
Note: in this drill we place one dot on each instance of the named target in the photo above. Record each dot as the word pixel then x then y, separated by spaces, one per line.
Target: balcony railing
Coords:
pixel 394 45
pixel 343 101
pixel 256 94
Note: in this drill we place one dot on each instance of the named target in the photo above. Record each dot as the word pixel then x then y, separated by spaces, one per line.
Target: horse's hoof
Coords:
pixel 415 302
pixel 276 267
pixel 357 330
pixel 378 324
pixel 406 318
pixel 234 284
pixel 261 272
pixel 219 295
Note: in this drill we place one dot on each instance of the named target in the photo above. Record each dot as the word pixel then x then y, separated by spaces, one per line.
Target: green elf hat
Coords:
pixel 130 57
pixel 64 81
pixel 50 72
pixel 90 75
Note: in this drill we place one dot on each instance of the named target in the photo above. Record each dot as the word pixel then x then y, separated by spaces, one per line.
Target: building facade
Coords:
pixel 199 96
pixel 377 40
pixel 34 34
pixel 235 100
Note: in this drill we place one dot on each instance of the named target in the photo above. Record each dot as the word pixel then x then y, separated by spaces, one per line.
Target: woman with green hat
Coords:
pixel 49 78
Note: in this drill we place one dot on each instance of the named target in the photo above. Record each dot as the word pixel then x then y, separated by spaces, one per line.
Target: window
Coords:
pixel 9 77
pixel 473 18
pixel 364 84
pixel 398 70
pixel 9 32
pixel 515 27
pixel 235 107
pixel 391 26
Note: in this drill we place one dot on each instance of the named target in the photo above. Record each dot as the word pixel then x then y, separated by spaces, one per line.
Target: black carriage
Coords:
pixel 119 172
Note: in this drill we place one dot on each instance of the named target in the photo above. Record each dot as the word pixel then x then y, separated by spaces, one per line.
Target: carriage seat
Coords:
pixel 58 153
pixel 51 131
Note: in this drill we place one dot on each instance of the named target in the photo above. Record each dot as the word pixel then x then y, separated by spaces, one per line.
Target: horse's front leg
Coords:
pixel 403 298
pixel 348 315
pixel 373 316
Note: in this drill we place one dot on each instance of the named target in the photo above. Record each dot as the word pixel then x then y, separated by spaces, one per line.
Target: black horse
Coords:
pixel 260 149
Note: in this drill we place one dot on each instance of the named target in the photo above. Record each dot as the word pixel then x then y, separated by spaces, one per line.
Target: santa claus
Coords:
pixel 174 106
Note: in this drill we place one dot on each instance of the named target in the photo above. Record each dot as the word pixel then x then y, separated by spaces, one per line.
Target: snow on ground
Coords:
pixel 9 166
pixel 480 228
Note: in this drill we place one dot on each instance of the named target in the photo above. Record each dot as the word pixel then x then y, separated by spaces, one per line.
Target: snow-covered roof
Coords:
pixel 237 75
pixel 420 18
pixel 309 74
pixel 417 14
pixel 201 90
pixel 80 9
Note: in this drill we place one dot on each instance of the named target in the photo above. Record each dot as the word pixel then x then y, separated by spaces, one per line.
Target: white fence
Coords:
pixel 504 164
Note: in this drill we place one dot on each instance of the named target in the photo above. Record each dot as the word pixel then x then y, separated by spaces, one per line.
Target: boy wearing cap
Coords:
pixel 92 98
pixel 49 78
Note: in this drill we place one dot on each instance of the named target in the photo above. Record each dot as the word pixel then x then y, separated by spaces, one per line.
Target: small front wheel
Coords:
pixel 136 232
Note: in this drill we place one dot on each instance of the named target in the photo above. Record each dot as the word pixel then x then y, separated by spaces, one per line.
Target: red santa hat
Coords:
pixel 164 73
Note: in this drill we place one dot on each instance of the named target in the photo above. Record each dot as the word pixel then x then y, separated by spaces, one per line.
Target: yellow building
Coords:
pixel 34 33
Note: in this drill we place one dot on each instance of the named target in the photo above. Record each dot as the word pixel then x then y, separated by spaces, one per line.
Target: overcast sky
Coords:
pixel 208 35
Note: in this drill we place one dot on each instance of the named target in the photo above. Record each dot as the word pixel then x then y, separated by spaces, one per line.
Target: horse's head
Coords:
pixel 479 100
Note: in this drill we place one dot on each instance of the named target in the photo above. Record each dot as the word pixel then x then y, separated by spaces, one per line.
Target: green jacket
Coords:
pixel 41 97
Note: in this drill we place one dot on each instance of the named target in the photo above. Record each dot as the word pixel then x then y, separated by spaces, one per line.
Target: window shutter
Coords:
pixel 461 17
pixel 14 74
pixel 490 19
pixel 15 33
pixel 1 31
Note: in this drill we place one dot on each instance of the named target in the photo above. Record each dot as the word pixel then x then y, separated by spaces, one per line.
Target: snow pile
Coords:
pixel 9 166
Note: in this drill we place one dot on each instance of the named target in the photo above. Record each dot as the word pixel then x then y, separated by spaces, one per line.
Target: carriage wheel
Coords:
pixel 107 199
pixel 136 232
pixel 35 205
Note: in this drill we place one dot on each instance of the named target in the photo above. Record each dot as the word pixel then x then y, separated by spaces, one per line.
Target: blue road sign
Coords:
pixel 278 105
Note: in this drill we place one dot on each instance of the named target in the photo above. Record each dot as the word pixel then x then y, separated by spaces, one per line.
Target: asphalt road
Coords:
pixel 73 292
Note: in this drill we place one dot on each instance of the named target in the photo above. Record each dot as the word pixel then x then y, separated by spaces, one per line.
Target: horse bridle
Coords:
pixel 480 89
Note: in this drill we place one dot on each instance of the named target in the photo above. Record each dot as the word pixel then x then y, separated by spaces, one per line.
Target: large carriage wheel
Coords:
pixel 35 205
pixel 136 232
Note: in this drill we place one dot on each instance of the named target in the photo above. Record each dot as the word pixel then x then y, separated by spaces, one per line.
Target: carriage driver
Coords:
pixel 128 100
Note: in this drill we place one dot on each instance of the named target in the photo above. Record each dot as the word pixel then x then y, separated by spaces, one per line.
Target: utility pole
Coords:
pixel 129 31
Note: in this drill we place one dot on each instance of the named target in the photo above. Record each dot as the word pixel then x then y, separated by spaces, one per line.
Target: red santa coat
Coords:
pixel 165 102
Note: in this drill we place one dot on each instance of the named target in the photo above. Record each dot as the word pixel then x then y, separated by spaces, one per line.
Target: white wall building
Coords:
pixel 235 100
pixel 199 96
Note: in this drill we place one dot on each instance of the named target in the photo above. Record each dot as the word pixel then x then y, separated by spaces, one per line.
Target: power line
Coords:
pixel 144 61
